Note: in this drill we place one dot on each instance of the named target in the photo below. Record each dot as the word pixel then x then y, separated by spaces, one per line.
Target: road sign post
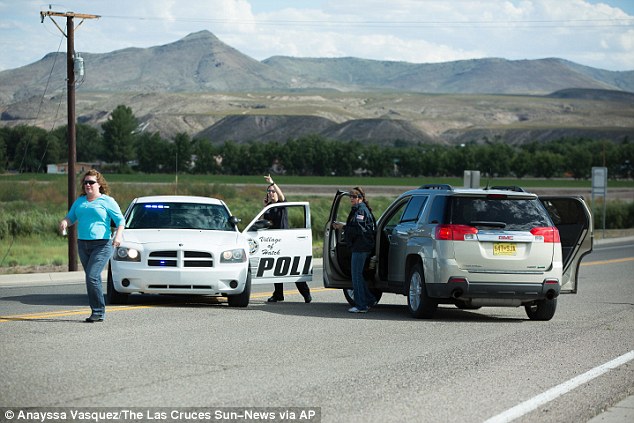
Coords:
pixel 600 188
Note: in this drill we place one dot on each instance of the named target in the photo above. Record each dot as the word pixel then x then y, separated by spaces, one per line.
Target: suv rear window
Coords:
pixel 508 213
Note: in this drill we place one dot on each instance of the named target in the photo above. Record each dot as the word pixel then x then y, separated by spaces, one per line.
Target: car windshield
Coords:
pixel 179 216
pixel 510 214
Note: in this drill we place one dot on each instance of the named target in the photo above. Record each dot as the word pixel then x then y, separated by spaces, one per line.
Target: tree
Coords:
pixel 119 137
pixel 257 159
pixel 407 159
pixel 3 149
pixel 89 143
pixel 181 153
pixel 30 149
pixel 546 164
pixel 298 157
pixel 495 158
pixel 231 154
pixel 424 160
pixel 579 162
pixel 347 157
pixel 626 160
pixel 461 158
pixel 378 162
pixel 205 154
pixel 606 153
pixel 152 152
pixel 521 164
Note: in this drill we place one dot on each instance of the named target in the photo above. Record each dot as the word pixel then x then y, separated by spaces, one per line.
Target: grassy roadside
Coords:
pixel 31 206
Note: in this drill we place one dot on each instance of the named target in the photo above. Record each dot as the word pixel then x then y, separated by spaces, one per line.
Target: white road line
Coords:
pixel 541 399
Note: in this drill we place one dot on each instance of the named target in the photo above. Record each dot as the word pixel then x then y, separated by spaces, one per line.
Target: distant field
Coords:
pixel 319 180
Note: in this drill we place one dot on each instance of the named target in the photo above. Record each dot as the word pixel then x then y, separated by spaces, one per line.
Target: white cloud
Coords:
pixel 408 30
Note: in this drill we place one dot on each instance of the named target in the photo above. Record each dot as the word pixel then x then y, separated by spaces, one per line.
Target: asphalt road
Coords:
pixel 384 366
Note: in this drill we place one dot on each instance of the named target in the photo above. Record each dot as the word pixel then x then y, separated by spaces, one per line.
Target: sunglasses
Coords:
pixel 355 196
pixel 90 182
pixel 270 190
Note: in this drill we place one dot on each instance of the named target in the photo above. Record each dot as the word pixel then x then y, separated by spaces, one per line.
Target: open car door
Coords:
pixel 336 261
pixel 281 255
pixel 572 218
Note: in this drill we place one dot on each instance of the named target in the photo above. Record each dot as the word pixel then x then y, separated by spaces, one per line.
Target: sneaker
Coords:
pixel 357 310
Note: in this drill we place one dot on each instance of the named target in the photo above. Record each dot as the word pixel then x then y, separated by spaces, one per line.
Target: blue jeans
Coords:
pixel 94 256
pixel 363 298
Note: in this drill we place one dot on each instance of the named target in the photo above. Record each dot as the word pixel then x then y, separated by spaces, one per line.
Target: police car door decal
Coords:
pixel 282 255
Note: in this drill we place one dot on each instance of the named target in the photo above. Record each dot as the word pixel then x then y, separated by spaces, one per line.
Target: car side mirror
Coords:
pixel 260 224
pixel 234 220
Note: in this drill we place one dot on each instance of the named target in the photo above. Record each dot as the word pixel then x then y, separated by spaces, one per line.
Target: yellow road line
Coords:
pixel 620 260
pixel 63 313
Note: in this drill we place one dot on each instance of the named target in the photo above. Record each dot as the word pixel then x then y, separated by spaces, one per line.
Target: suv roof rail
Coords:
pixel 436 186
pixel 509 188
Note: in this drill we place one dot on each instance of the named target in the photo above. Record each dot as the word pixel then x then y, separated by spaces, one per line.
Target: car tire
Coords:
pixel 349 294
pixel 112 295
pixel 419 304
pixel 542 309
pixel 242 299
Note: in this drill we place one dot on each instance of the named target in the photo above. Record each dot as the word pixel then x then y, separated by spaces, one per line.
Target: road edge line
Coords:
pixel 559 390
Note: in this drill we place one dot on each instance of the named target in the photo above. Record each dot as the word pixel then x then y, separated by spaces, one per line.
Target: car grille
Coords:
pixel 192 287
pixel 177 258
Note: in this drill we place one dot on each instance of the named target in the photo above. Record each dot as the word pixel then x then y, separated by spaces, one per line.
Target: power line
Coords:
pixel 530 23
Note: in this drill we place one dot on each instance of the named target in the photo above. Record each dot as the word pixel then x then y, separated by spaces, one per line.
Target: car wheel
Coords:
pixel 420 305
pixel 349 294
pixel 241 300
pixel 112 295
pixel 542 309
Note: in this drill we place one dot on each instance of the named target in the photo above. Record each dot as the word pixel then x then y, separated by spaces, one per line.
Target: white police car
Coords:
pixel 191 245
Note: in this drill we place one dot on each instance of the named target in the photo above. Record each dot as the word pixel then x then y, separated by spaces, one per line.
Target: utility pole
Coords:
pixel 72 139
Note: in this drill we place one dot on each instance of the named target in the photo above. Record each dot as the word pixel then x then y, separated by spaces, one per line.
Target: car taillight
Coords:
pixel 549 233
pixel 454 232
pixel 497 196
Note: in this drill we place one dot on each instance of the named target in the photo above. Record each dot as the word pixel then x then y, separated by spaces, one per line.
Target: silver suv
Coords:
pixel 469 247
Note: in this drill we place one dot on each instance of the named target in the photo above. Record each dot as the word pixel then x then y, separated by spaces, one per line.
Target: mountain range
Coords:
pixel 204 87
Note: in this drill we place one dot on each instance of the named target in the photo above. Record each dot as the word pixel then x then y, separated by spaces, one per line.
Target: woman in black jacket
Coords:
pixel 359 236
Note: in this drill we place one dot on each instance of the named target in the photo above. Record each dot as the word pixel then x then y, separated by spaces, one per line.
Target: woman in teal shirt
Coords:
pixel 92 212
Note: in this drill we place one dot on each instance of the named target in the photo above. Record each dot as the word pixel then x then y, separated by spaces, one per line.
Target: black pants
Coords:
pixel 302 287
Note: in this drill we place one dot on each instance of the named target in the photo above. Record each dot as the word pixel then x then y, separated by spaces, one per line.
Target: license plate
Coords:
pixel 504 249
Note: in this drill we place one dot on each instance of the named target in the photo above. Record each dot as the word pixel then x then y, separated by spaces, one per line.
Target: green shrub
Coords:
pixel 22 220
pixel 618 214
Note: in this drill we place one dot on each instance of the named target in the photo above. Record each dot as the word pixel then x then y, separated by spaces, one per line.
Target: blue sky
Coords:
pixel 590 32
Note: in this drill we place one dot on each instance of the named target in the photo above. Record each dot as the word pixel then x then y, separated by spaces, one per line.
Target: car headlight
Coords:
pixel 233 256
pixel 127 254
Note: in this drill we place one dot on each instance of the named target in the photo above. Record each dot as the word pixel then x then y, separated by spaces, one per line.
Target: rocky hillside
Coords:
pixel 202 86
